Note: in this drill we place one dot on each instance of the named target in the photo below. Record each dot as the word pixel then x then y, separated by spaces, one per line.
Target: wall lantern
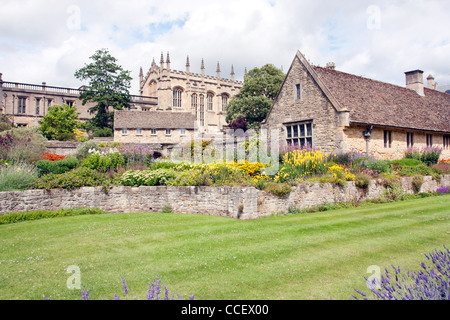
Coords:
pixel 367 134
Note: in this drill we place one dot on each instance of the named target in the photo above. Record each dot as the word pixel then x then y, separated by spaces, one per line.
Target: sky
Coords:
pixel 48 40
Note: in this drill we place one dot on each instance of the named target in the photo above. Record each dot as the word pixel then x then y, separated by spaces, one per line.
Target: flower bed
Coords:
pixel 119 165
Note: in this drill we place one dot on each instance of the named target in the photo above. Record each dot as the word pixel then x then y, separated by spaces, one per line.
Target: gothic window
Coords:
pixel 209 99
pixel 299 134
pixel 202 110
pixel 194 102
pixel 177 98
pixel 224 102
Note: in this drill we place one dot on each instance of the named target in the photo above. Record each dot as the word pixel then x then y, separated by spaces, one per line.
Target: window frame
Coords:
pixel 139 131
pixel 300 133
pixel 177 97
pixel 298 88
pixel 22 105
pixel 429 140
pixel 387 137
pixel 410 139
pixel 210 101
pixel 124 131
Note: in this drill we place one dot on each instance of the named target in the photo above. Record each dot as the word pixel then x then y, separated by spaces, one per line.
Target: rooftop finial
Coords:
pixel 168 61
pixel 161 62
pixel 187 65
pixel 202 68
pixel 232 73
pixel 218 70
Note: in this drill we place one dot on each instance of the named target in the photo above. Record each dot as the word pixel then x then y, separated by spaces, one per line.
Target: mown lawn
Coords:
pixel 307 256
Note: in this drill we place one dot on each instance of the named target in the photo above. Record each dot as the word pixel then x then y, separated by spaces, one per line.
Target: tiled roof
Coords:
pixel 153 120
pixel 378 103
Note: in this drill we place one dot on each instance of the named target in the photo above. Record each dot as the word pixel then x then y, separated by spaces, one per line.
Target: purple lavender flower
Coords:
pixel 429 283
pixel 84 294
pixel 125 288
pixel 443 190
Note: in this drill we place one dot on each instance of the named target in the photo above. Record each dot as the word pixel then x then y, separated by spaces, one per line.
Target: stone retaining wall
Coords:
pixel 233 202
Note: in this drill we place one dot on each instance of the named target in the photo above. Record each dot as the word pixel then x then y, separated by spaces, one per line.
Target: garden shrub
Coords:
pixel 52 156
pixel 301 163
pixel 136 155
pixel 104 161
pixel 16 217
pixel 192 177
pixel 82 152
pixel 76 178
pixel 56 167
pixel 417 183
pixel 17 176
pixel 279 189
pixel 156 177
pixel 22 144
pixel 362 180
pixel 428 155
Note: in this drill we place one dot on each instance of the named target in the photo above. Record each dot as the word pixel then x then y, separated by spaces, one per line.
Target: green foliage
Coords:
pixel 76 178
pixel 108 87
pixel 103 162
pixel 60 122
pixel 261 86
pixel 194 177
pixel 16 217
pixel 102 132
pixel 5 123
pixel 136 178
pixel 17 176
pixel 417 183
pixel 362 180
pixel 56 167
pixel 279 189
pixel 428 155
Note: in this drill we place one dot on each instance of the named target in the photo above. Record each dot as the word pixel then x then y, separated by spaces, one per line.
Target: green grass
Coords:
pixel 318 255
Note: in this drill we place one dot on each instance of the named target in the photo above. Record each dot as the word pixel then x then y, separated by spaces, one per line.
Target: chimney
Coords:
pixel 414 81
pixel 331 66
pixel 431 84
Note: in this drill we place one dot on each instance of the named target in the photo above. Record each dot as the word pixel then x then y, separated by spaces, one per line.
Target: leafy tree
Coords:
pixel 60 122
pixel 261 86
pixel 108 87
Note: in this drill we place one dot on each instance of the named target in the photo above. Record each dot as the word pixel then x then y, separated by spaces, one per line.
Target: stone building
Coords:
pixel 153 127
pixel 25 104
pixel 204 96
pixel 338 111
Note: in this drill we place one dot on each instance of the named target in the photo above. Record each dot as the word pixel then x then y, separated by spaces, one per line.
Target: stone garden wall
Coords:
pixel 232 202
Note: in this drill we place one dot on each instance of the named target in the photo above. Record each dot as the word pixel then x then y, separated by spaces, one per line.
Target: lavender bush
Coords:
pixel 443 190
pixel 153 293
pixel 430 283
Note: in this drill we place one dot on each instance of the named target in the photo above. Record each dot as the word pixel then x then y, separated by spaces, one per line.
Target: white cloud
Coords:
pixel 48 40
